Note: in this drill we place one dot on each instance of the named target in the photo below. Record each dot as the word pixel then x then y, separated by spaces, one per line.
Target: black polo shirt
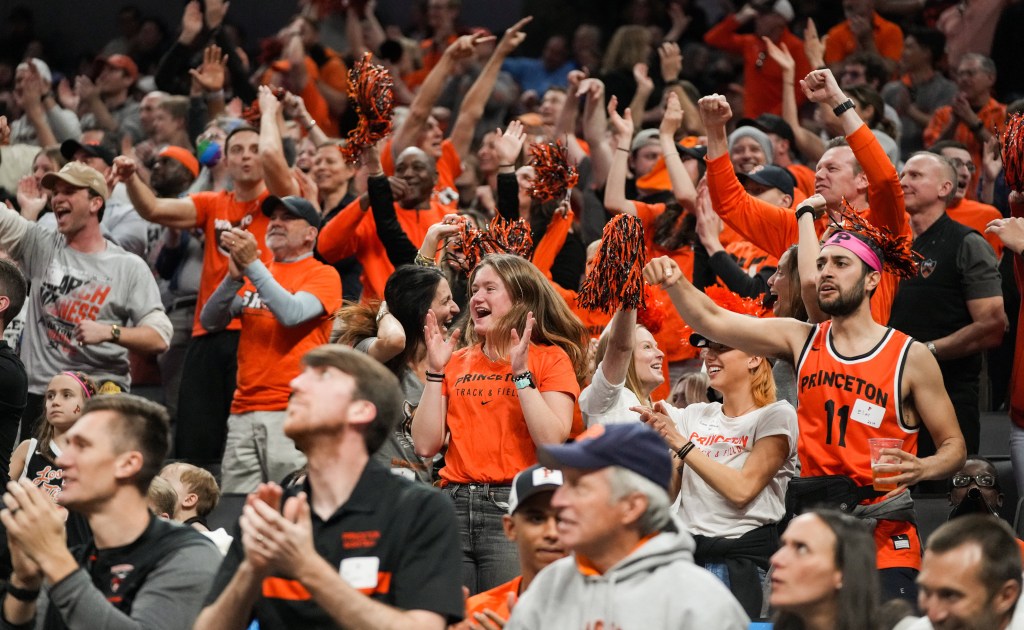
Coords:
pixel 393 540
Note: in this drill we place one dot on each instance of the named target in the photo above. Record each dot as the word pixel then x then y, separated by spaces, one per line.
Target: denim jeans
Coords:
pixel 488 558
pixel 721 571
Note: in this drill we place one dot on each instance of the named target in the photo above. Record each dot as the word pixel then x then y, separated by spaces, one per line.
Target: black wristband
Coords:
pixel 684 450
pixel 434 377
pixel 21 594
pixel 802 210
pixel 842 107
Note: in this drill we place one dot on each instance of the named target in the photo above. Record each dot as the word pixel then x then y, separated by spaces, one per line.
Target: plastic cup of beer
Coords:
pixel 876 445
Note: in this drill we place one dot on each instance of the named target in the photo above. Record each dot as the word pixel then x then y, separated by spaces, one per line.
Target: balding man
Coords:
pixel 955 304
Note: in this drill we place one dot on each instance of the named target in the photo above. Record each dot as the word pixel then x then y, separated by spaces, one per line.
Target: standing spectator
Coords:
pixel 523 362
pixel 863 30
pixel 208 373
pixel 43 121
pixel 355 545
pixel 285 309
pixel 333 177
pixel 921 89
pixel 630 555
pixel 91 301
pixel 442 16
pixel 108 102
pixel 140 570
pixel 973 214
pixel 761 74
pixel 13 379
pixel 959 271
pixel 974 117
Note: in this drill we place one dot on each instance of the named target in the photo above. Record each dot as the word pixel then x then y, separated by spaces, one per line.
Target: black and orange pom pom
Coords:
pixel 555 176
pixel 469 246
pixel 898 256
pixel 251 114
pixel 1013 152
pixel 370 90
pixel 616 279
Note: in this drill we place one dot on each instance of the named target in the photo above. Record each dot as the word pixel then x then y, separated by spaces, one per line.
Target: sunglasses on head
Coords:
pixel 716 347
pixel 984 480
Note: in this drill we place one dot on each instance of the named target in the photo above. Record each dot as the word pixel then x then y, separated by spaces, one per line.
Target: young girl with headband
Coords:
pixel 36 459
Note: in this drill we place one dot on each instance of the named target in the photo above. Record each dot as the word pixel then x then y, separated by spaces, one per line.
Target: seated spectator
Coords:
pixel 824 575
pixel 140 571
pixel 970 576
pixel 974 489
pixel 532 523
pixel 197 493
pixel 395 542
pixel 13 379
pixel 161 498
pixel 629 553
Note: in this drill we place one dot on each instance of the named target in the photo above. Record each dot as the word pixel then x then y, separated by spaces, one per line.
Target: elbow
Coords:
pixel 742 496
pixel 995 331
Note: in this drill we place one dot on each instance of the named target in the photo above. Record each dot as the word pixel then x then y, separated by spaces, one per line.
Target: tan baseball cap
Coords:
pixel 80 175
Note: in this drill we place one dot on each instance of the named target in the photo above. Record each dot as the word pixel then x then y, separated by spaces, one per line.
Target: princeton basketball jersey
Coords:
pixel 843 402
pixel 846 400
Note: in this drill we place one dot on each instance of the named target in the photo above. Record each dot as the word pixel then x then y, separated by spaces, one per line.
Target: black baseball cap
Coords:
pixel 696 152
pixel 633 446
pixel 530 482
pixel 70 147
pixel 773 177
pixel 296 206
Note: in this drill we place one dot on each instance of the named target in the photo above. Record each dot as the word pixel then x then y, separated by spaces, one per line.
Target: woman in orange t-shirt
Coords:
pixel 496 400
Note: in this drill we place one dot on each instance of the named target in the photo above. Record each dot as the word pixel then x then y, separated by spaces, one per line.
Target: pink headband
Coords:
pixel 857 247
pixel 80 382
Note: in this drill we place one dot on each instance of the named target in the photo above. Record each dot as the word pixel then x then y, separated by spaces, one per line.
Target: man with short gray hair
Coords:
pixel 629 553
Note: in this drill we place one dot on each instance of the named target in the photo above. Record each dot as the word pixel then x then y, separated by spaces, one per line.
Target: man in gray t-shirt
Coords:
pixel 90 301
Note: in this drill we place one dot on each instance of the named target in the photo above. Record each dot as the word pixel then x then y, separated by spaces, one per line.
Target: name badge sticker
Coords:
pixel 867 413
pixel 360 572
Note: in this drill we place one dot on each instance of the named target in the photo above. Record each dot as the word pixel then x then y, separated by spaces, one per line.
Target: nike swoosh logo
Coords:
pixel 485 402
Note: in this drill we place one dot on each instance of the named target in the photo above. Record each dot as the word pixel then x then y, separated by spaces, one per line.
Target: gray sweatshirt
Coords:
pixel 656 586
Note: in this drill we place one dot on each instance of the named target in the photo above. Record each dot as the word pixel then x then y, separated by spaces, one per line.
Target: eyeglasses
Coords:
pixel 957 162
pixel 984 480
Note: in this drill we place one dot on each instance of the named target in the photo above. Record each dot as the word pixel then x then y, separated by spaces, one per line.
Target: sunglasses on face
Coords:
pixel 983 480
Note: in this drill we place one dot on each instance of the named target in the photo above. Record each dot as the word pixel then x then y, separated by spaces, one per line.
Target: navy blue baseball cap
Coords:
pixel 296 206
pixel 633 445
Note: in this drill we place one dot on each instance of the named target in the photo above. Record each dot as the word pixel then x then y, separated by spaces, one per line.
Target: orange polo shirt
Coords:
pixel 842 43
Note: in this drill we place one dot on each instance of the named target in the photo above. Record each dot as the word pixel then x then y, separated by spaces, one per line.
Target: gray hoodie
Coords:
pixel 656 586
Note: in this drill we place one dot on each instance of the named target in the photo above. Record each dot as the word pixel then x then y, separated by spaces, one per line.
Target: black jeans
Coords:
pixel 204 397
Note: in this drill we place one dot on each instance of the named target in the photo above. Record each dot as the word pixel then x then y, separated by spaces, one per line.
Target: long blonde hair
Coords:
pixel 529 291
pixel 630 45
pixel 633 383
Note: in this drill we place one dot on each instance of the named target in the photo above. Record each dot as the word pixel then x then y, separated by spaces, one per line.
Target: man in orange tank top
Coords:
pixel 857 380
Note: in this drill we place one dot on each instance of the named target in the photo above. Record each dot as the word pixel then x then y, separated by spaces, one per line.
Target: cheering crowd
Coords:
pixel 666 327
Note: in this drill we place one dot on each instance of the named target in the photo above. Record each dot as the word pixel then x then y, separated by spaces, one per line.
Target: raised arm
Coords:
pixel 508 146
pixel 774 336
pixel 430 423
pixel 276 174
pixel 808 250
pixel 808 143
pixel 472 108
pixel 682 186
pixel 622 138
pixel 621 340
pixel 175 213
pixel 671 66
pixel 595 130
pixel 419 111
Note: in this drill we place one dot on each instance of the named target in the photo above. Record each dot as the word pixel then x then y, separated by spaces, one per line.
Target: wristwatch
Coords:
pixel 115 333
pixel 524 380
pixel 804 209
pixel 842 107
